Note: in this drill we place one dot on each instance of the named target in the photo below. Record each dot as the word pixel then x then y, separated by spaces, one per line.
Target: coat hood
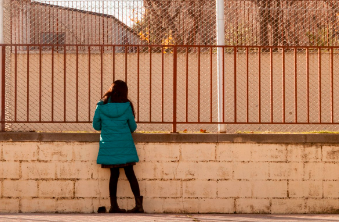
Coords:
pixel 114 109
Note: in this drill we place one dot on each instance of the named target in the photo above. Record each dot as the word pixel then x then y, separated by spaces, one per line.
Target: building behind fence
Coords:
pixel 280 71
pixel 247 22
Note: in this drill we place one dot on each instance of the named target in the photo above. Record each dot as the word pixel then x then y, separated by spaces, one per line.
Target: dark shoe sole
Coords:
pixel 117 211
pixel 136 212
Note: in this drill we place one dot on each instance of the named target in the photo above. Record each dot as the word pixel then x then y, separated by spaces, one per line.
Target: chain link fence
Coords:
pixel 282 22
pixel 65 54
pixel 180 22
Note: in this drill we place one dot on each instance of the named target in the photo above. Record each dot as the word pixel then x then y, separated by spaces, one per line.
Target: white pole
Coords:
pixel 1 21
pixel 220 41
pixel 1 42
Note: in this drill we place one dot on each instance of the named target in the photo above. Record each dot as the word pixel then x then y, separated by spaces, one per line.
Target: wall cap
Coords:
pixel 174 137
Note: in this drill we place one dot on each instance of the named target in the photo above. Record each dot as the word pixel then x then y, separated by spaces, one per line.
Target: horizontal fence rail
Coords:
pixel 44 85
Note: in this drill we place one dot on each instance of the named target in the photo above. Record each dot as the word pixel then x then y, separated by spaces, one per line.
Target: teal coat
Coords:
pixel 116 122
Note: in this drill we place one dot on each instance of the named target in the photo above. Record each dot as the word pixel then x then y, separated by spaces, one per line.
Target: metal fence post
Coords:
pixel 174 126
pixel 3 62
pixel 220 63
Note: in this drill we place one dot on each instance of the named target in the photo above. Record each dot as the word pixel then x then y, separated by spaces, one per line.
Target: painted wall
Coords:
pixel 32 21
pixel 174 177
pixel 90 89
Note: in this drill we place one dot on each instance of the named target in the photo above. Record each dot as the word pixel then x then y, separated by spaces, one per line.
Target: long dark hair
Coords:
pixel 118 92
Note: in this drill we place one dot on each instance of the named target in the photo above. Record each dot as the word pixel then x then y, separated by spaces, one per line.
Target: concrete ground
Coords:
pixel 167 217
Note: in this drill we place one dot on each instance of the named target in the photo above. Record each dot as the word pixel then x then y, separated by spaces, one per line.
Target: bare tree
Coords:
pixel 279 22
pixel 184 21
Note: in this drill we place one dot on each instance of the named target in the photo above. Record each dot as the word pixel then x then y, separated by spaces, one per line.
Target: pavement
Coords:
pixel 168 217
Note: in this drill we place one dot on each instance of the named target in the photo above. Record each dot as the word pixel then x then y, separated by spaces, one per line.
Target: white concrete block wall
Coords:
pixel 173 177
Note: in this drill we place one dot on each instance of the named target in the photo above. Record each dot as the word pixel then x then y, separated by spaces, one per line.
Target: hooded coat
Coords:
pixel 116 122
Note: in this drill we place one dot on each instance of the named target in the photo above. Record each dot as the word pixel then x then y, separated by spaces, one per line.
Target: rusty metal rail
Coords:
pixel 260 86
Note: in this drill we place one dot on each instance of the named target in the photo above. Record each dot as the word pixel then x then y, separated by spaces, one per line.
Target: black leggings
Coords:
pixel 113 182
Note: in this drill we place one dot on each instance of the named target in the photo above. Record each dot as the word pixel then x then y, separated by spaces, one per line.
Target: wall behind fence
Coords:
pixel 64 88
pixel 177 177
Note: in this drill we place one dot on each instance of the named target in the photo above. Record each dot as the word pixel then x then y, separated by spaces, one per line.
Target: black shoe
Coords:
pixel 114 206
pixel 102 210
pixel 138 206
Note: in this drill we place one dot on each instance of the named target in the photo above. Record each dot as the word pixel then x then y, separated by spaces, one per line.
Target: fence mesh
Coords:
pixel 180 22
pixel 60 85
pixel 282 22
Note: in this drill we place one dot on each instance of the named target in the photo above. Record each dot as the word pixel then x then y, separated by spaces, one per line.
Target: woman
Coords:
pixel 114 116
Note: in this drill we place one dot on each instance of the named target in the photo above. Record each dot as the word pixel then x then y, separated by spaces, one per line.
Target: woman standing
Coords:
pixel 114 116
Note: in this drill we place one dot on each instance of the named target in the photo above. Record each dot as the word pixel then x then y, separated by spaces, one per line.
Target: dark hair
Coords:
pixel 118 92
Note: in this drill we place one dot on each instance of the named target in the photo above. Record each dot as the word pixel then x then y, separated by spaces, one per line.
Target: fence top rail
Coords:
pixel 173 46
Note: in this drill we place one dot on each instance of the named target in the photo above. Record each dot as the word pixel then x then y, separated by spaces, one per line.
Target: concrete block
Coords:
pixel 100 173
pixel 187 170
pixel 170 205
pixel 225 206
pixel 330 153
pixel 124 188
pixel 321 171
pixel 9 170
pixel 190 205
pixel 198 188
pixel 331 189
pixel 286 171
pixel 163 188
pixel 56 188
pixel 251 170
pixel 154 205
pixel 269 189
pixel 313 171
pixel 224 152
pixel 165 170
pixel 38 205
pixel 161 152
pixel 302 153
pixel 20 188
pixel 146 170
pixel 105 201
pixel 215 170
pixel 197 151
pixel 20 151
pixel 153 170
pixel 160 205
pixel 126 203
pixel 322 206
pixel 269 152
pixel 9 205
pixel 234 151
pixel 83 205
pixel 305 189
pixel 38 170
pixel 331 171
pixel 55 151
pixel 252 206
pixel 288 206
pixel 234 189
pixel 122 175
pixel 85 151
pixel 140 151
pixel 75 170
pixel 92 188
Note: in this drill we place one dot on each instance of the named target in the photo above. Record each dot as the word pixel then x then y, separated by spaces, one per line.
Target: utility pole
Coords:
pixel 2 55
pixel 220 52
